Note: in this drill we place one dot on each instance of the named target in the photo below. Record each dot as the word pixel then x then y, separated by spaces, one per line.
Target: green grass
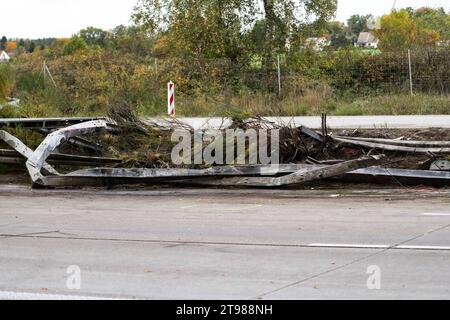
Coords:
pixel 420 104
pixel 311 103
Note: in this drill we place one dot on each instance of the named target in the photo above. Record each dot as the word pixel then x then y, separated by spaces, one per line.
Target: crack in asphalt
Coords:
pixel 176 243
pixel 349 263
pixel 37 234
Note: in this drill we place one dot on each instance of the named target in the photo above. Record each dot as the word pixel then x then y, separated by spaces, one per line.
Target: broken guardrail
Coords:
pixel 398 145
pixel 104 176
pixel 43 123
pixel 364 169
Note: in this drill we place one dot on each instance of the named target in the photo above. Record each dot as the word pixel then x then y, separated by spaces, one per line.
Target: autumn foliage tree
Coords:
pixel 11 46
pixel 219 28
pixel 406 29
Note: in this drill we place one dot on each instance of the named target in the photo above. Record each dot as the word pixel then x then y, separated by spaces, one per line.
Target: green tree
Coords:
pixel 132 39
pixel 398 31
pixel 358 23
pixel 204 28
pixel 216 28
pixel 75 44
pixel 31 47
pixel 94 36
pixel 436 20
pixel 401 31
pixel 3 43
pixel 339 37
pixel 290 17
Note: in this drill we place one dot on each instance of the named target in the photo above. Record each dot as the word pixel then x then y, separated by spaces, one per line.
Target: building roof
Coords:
pixel 366 37
pixel 4 56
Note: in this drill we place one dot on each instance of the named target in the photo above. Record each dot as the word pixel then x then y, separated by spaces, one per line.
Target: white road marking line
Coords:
pixel 351 246
pixel 436 214
pixel 9 295
pixel 376 246
pixel 424 247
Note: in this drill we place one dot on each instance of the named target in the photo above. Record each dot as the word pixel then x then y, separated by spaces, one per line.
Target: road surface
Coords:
pixel 225 244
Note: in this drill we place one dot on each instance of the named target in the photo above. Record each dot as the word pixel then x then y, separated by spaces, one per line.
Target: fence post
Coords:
pixel 410 73
pixel 279 75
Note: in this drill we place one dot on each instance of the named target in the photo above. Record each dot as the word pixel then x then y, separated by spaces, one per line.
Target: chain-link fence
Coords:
pixel 304 80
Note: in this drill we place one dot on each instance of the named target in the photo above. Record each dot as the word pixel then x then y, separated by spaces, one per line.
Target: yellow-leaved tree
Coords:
pixel 400 31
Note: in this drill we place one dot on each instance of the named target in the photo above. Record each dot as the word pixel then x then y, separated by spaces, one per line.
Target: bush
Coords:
pixel 6 81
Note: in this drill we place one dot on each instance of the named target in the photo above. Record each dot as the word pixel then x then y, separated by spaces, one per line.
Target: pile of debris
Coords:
pixel 306 156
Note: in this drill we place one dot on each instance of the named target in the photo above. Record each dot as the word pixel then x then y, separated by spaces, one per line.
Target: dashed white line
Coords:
pixel 430 214
pixel 376 246
pixel 10 295
pixel 424 247
pixel 350 246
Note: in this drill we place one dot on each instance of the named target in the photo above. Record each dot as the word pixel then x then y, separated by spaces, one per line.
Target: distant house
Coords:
pixel 317 43
pixel 4 56
pixel 367 40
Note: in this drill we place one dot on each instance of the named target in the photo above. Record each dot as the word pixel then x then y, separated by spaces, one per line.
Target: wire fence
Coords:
pixel 297 83
pixel 345 73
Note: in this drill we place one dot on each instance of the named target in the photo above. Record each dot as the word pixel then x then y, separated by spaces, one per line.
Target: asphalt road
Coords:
pixel 235 244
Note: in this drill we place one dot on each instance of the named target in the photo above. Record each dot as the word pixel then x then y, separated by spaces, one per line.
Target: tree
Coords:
pixel 132 39
pixel 436 20
pixel 11 46
pixel 289 16
pixel 94 36
pixel 75 43
pixel 203 28
pixel 216 28
pixel 339 37
pixel 32 47
pixel 400 31
pixel 3 43
pixel 357 24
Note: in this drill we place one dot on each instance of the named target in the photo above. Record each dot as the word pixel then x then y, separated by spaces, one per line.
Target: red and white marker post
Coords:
pixel 171 98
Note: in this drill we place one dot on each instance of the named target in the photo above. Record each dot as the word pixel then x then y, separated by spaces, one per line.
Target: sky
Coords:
pixel 62 18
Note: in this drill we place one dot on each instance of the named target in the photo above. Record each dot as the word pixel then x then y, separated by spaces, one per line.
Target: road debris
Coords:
pixel 307 156
pixel 388 146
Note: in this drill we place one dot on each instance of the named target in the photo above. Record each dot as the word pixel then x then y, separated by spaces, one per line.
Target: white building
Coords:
pixel 4 56
pixel 367 40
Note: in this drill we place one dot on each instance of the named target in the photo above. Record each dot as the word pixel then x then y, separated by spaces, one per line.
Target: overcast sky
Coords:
pixel 62 18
